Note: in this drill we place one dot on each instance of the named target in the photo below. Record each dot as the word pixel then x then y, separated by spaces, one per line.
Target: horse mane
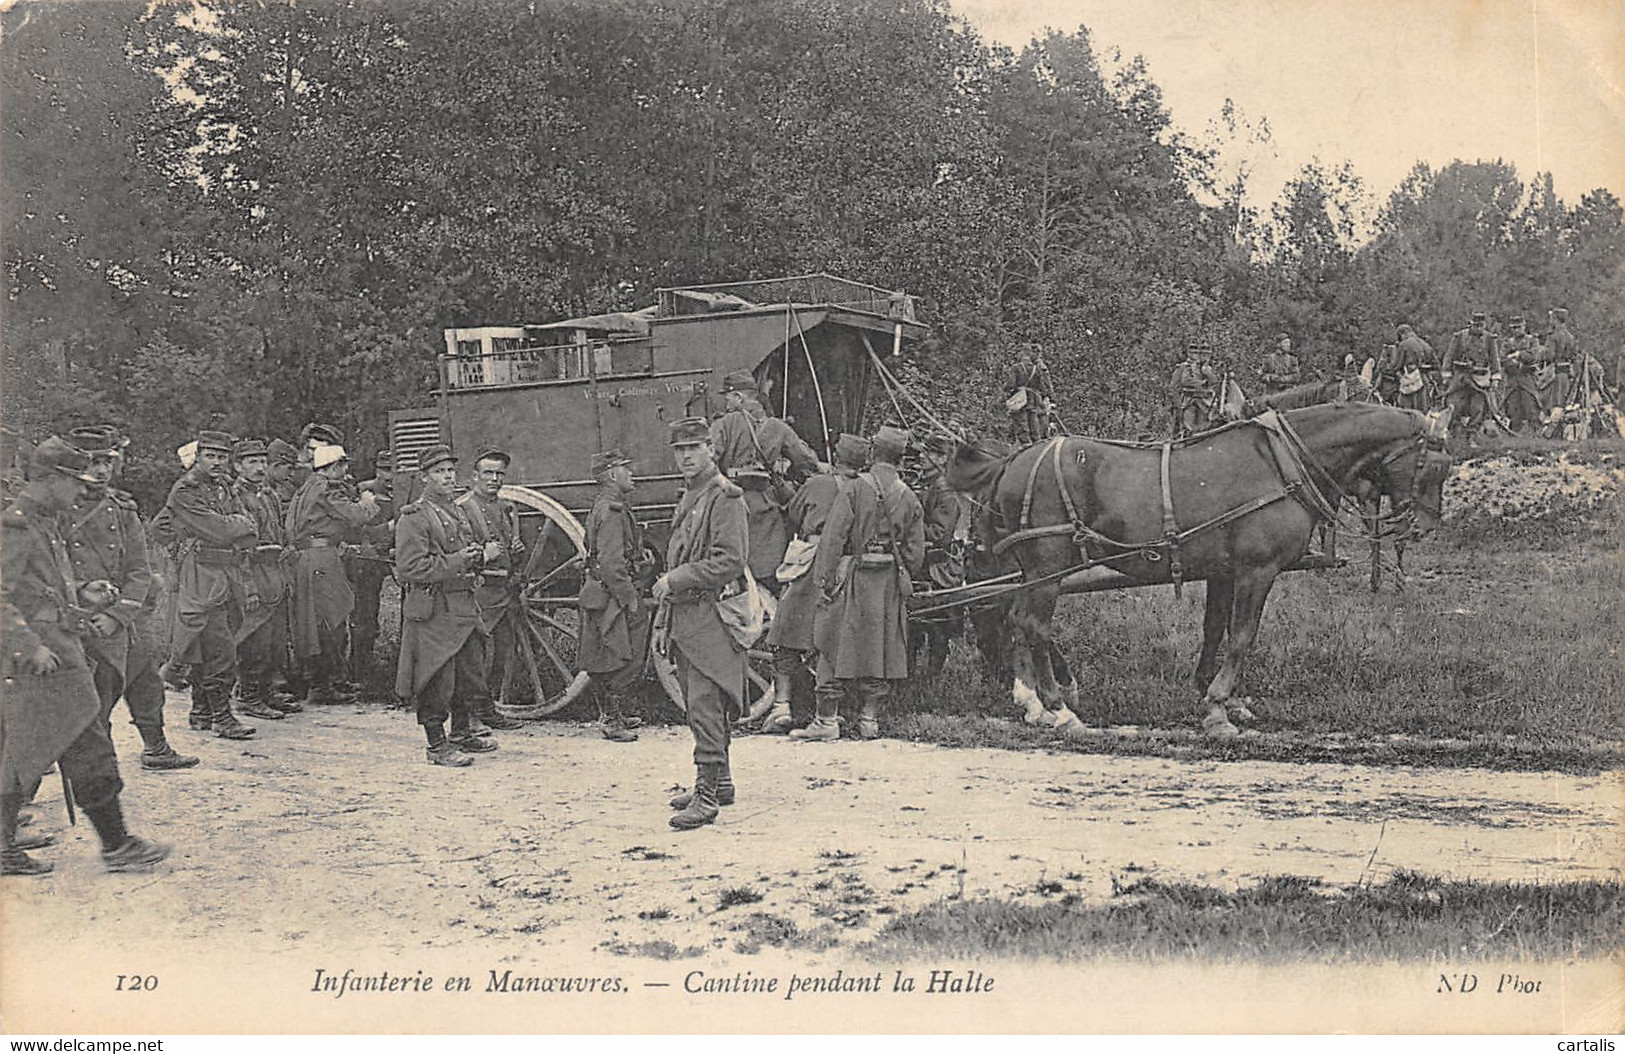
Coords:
pixel 1310 393
pixel 976 466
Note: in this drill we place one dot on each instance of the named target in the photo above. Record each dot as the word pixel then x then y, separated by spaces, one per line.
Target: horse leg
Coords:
pixel 1370 515
pixel 1215 620
pixel 1251 589
pixel 1023 653
pixel 1057 713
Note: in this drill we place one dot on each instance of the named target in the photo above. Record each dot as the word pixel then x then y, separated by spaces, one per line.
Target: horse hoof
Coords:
pixel 1219 727
pixel 1241 713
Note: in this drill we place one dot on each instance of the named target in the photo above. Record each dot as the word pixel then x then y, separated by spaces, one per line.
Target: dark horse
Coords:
pixel 1235 506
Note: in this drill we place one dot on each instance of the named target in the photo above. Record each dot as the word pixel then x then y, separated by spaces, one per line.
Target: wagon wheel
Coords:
pixel 758 671
pixel 545 624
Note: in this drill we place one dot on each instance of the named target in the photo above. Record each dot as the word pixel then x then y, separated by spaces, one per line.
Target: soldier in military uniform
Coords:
pixel 1028 392
pixel 262 639
pixel 213 534
pixel 495 523
pixel 1191 390
pixel 872 550
pixel 614 620
pixel 443 638
pixel 1417 370
pixel 1522 358
pixel 107 542
pixel 50 696
pixel 1562 350
pixel 707 554
pixel 318 520
pixel 369 566
pixel 1281 369
pixel 947 535
pixel 764 457
pixel 1474 360
pixel 791 634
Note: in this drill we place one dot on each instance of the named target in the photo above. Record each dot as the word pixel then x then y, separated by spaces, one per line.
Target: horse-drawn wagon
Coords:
pixel 552 395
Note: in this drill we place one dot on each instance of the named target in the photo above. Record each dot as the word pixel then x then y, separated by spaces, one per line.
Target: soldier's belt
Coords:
pixel 1565 367
pixel 213 556
pixel 317 543
pixel 693 596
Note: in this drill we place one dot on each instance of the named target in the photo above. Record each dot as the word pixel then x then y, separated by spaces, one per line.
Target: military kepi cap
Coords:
pixel 249 448
pixel 891 441
pixel 208 440
pixel 282 453
pixel 602 463
pixel 1478 316
pixel 1515 320
pixel 851 451
pixel 58 455
pixel 739 382
pixel 320 433
pixel 439 454
pixel 97 439
pixel 690 431
pixel 491 453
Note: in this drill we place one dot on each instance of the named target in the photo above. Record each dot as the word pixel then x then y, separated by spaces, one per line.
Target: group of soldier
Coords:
pixel 1522 382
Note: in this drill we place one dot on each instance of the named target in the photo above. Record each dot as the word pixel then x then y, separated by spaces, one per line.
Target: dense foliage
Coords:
pixel 253 214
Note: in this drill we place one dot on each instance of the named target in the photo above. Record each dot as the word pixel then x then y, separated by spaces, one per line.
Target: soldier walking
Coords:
pixel 1474 360
pixel 1028 392
pixel 212 532
pixel 370 566
pixel 707 553
pixel 1191 390
pixel 873 547
pixel 443 638
pixel 495 524
pixel 51 705
pixel 319 519
pixel 107 542
pixel 763 456
pixel 262 640
pixel 791 634
pixel 614 640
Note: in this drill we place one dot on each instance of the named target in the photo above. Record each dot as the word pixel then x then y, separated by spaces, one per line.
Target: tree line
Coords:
pixel 251 214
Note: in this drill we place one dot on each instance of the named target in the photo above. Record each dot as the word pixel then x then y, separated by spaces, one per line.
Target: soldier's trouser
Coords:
pixel 499 649
pixel 216 665
pixel 144 696
pixel 262 653
pixel 1471 407
pixel 871 691
pixel 367 582
pixel 455 687
pixel 331 664
pixel 619 682
pixel 1557 393
pixel 1027 426
pixel 792 664
pixel 91 768
pixel 1192 418
pixel 711 712
pixel 1521 407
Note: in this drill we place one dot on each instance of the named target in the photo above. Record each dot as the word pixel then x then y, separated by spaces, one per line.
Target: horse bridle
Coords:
pixel 1429 450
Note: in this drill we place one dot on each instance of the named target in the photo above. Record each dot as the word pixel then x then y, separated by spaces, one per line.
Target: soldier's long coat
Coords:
pixel 495 521
pixel 267 575
pixel 429 537
pixel 39 716
pixel 774 441
pixel 807 513
pixel 322 597
pixel 618 633
pixel 863 631
pixel 106 541
pixel 201 511
pixel 708 550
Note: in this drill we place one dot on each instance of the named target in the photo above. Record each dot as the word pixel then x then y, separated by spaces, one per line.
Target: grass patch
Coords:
pixel 662 950
pixel 1283 918
pixel 736 896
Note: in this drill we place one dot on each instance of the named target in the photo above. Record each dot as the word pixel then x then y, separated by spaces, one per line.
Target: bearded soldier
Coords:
pixel 370 565
pixel 761 454
pixel 1474 359
pixel 318 520
pixel 107 542
pixel 791 634
pixel 1281 369
pixel 872 549
pixel 443 638
pixel 496 527
pixel 614 620
pixel 213 532
pixel 262 640
pixel 706 555
pixel 51 708
pixel 1522 358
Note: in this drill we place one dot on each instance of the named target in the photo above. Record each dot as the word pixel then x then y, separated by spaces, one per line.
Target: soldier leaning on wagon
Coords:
pixel 1190 391
pixel 1522 360
pixel 319 519
pixel 1474 362
pixel 107 542
pixel 213 532
pixel 1417 371
pixel 370 565
pixel 708 552
pixel 262 640
pixel 947 516
pixel 1028 392
pixel 873 547
pixel 614 619
pixel 495 524
pixel 443 639
pixel 763 456
pixel 1280 370
pixel 791 634
pixel 1563 352
pixel 51 708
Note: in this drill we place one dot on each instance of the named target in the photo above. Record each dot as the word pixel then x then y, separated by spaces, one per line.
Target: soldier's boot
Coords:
pixel 283 697
pixel 121 850
pixel 702 805
pixel 442 751
pixel 158 754
pixel 200 719
pixel 869 715
pixel 466 734
pixel 779 720
pixel 492 718
pixel 14 860
pixel 613 721
pixel 226 725
pixel 256 701
pixel 725 790
pixel 174 675
pixel 826 725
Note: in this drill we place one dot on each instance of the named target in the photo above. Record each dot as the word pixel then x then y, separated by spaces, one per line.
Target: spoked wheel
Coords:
pixel 758 671
pixel 544 621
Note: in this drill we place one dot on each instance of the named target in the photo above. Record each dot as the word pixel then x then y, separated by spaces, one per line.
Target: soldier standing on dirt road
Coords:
pixel 708 552
pixel 872 549
pixel 52 711
pixel 614 641
pixel 443 637
pixel 496 527
pixel 370 566
pixel 262 640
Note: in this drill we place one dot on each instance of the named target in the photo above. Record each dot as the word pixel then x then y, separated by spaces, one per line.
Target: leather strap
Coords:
pixel 1170 526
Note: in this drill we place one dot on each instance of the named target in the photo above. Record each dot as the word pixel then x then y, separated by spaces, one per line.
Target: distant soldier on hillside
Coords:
pixel 1028 394
pixel 1191 390
pixel 1418 386
pixel 1474 361
pixel 1280 370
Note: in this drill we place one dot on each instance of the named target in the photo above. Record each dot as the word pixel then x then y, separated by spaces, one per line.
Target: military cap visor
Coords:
pixel 214 441
pixel 97 439
pixel 739 382
pixel 891 440
pixel 282 453
pixel 435 456
pixel 247 448
pixel 58 455
pixel 851 451
pixel 321 433
pixel 491 453
pixel 602 463
pixel 690 431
